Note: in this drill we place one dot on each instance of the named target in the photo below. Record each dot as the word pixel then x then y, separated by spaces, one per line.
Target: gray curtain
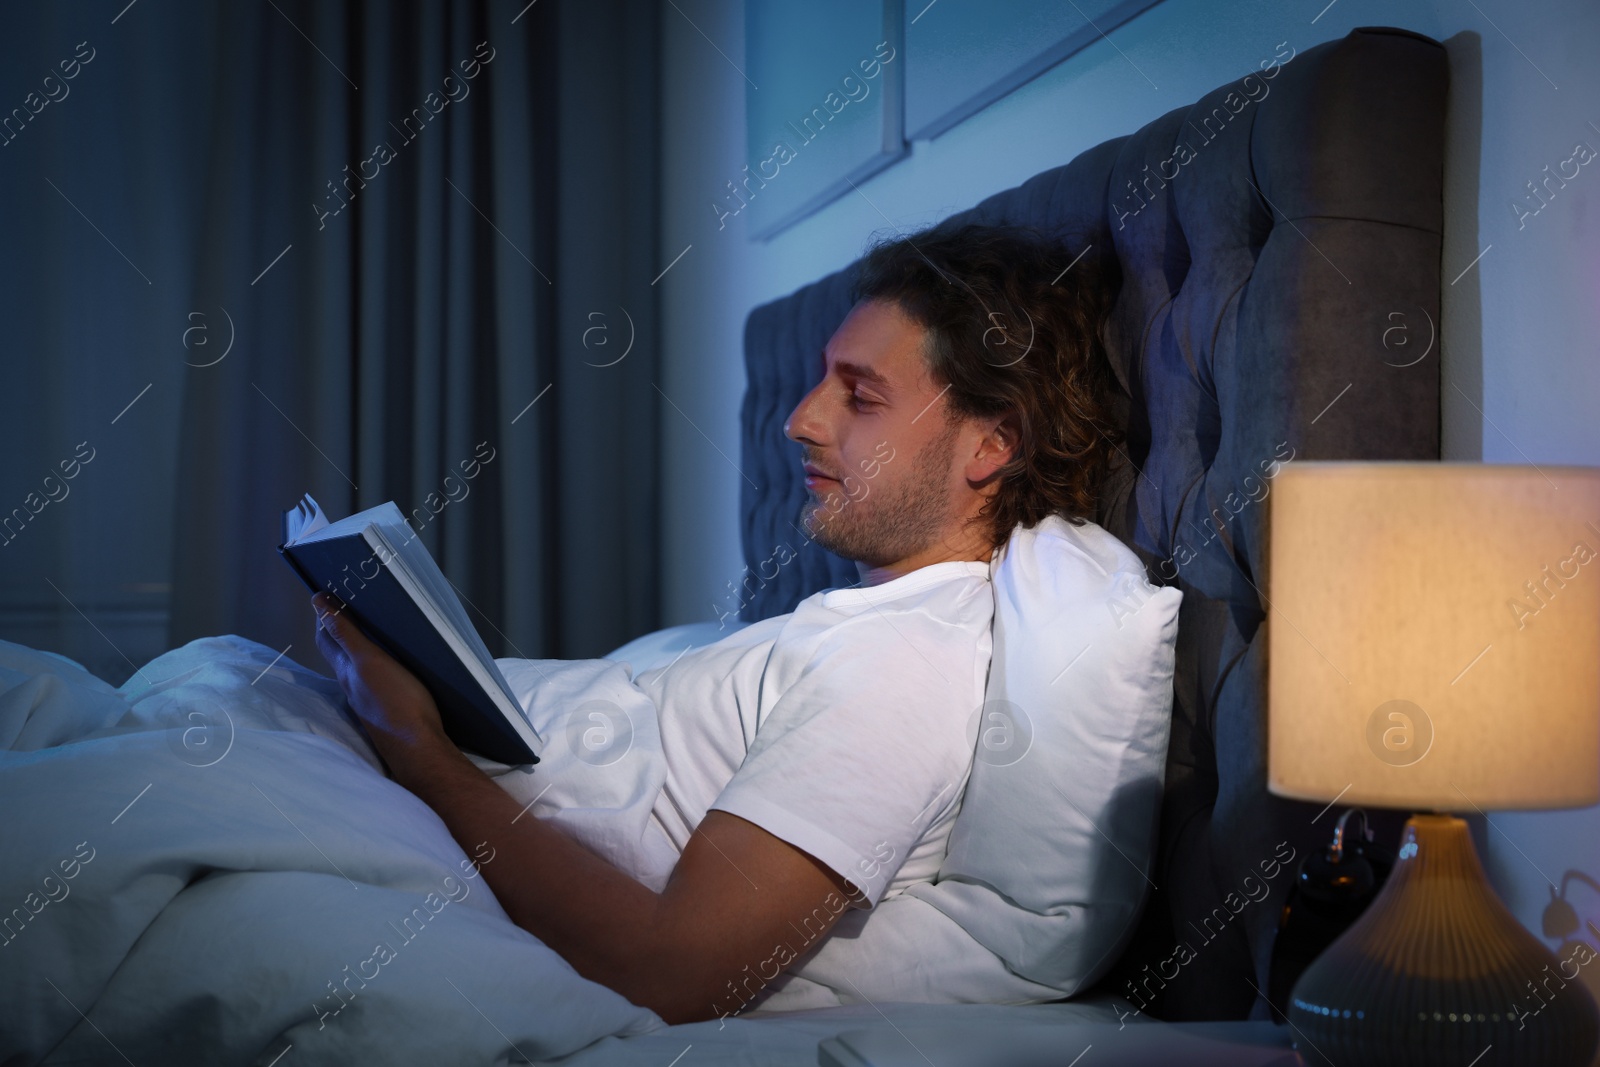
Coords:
pixel 432 229
pixel 174 176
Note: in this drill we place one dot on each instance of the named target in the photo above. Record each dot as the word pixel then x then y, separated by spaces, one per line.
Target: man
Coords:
pixel 816 760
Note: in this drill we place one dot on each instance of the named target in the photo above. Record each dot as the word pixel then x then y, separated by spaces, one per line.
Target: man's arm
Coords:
pixel 738 909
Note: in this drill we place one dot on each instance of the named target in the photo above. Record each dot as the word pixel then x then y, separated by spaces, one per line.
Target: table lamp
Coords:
pixel 1434 646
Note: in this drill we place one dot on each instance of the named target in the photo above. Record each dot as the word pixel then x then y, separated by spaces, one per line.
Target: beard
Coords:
pixel 893 520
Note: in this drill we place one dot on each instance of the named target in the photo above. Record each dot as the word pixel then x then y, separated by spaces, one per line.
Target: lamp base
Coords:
pixel 1438 971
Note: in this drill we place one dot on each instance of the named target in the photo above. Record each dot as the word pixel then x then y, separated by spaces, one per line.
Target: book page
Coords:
pixel 303 520
pixel 316 527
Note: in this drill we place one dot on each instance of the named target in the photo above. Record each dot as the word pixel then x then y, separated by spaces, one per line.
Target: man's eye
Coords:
pixel 859 401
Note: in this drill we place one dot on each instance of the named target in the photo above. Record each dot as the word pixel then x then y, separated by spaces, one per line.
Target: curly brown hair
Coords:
pixel 1008 330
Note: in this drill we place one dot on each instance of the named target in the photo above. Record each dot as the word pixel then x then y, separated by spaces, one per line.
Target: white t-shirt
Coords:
pixel 846 728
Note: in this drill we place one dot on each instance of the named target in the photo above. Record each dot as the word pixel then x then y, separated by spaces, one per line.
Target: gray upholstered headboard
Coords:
pixel 1279 288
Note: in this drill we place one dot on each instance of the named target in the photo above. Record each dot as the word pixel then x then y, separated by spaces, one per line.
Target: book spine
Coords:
pixel 288 556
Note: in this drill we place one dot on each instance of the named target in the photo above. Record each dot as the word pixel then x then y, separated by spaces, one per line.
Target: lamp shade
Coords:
pixel 1434 635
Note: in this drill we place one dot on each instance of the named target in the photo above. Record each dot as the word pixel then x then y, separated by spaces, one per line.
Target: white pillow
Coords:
pixel 660 647
pixel 1048 860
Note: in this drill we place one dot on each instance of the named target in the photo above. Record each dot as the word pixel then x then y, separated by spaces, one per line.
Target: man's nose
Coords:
pixel 800 425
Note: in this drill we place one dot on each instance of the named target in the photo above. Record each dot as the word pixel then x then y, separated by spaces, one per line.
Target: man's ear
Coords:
pixel 997 447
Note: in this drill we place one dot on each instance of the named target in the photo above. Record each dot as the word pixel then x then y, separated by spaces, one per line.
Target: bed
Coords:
pixel 1262 284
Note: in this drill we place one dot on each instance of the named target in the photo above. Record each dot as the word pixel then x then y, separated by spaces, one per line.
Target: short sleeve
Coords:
pixel 866 750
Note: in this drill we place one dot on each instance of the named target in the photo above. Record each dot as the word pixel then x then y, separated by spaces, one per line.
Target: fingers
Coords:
pixel 340 628
pixel 330 648
pixel 332 628
pixel 331 620
pixel 328 608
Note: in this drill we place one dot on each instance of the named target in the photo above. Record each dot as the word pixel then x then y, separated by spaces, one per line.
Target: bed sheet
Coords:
pixel 206 866
pixel 790 1038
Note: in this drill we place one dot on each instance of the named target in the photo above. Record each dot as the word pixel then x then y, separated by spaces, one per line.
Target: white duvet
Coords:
pixel 206 865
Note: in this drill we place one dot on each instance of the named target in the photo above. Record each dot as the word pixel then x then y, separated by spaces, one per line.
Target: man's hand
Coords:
pixel 396 709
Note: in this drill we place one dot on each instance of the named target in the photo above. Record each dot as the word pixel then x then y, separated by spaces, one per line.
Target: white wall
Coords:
pixel 1519 329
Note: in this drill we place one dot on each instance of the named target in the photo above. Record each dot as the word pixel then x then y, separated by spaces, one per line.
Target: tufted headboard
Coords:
pixel 1278 245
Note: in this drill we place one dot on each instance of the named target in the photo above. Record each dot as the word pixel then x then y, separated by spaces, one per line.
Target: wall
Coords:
pixel 1522 382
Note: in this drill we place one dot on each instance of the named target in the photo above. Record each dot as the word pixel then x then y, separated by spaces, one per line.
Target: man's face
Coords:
pixel 880 452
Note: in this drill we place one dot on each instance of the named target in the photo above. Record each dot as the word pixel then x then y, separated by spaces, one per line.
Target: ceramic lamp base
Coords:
pixel 1438 971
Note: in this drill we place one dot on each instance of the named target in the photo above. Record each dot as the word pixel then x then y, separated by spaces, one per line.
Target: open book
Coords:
pixel 390 585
